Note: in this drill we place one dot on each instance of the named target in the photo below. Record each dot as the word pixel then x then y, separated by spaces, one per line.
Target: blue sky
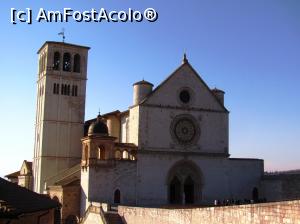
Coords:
pixel 250 49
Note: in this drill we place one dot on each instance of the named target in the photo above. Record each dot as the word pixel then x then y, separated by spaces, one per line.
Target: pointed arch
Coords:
pixel 191 182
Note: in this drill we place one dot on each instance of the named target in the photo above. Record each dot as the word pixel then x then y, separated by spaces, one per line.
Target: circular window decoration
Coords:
pixel 185 130
pixel 184 96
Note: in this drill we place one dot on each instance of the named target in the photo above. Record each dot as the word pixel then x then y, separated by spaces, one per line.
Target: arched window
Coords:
pixel 75 90
pixel 57 88
pixel 65 89
pixel 117 197
pixel 68 90
pixel 101 153
pixel 118 155
pixel 56 61
pixel 76 65
pixel 67 62
pixel 132 155
pixel 125 154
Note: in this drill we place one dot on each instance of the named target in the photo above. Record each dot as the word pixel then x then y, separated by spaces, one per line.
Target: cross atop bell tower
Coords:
pixel 61 89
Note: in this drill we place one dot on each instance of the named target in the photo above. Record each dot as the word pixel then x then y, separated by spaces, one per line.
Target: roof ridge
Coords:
pixel 186 63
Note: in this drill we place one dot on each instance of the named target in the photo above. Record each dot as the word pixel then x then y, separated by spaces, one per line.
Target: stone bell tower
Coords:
pixel 61 87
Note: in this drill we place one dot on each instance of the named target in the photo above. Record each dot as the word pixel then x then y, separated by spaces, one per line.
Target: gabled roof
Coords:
pixel 16 200
pixel 185 63
pixel 13 175
pixel 28 166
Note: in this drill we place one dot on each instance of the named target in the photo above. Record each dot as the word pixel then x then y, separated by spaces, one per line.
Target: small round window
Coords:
pixel 184 96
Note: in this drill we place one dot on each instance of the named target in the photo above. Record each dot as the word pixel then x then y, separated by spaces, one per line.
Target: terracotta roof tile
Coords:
pixel 13 175
pixel 16 200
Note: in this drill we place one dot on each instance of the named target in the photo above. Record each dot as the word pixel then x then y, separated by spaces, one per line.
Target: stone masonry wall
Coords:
pixel 266 213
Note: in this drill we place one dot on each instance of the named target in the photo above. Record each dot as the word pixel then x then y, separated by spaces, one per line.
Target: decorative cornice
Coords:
pixel 181 108
pixel 183 153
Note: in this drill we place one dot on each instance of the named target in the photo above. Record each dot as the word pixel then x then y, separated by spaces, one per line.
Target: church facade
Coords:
pixel 170 147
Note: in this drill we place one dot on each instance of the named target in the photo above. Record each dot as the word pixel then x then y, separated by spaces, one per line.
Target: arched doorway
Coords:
pixel 185 183
pixel 255 194
pixel 189 191
pixel 175 185
pixel 117 196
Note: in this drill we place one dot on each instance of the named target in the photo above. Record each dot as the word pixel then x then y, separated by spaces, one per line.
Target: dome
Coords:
pixel 98 127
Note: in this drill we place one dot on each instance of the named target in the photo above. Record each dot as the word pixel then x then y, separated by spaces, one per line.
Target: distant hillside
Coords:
pixel 283 172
